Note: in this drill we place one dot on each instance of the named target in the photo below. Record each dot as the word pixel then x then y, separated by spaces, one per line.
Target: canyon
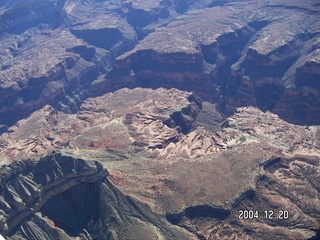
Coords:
pixel 159 119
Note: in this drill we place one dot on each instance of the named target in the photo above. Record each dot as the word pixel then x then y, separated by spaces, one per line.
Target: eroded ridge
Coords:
pixel 28 184
pixel 283 203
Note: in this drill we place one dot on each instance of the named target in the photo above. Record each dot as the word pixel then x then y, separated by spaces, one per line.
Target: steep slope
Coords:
pixel 255 53
pixel 198 177
pixel 60 197
pixel 231 53
pixel 204 113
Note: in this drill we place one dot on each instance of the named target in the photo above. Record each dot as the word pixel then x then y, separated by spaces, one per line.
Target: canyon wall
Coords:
pixel 170 172
pixel 257 53
pixel 159 119
pixel 60 197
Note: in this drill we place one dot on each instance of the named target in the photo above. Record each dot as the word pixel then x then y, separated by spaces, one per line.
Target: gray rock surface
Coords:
pixel 60 197
pixel 27 185
pixel 229 52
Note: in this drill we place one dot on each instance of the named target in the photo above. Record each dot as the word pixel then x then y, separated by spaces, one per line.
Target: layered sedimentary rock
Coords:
pixel 232 53
pixel 126 119
pixel 51 52
pixel 204 125
pixel 60 197
pixel 27 185
pixel 158 148
pixel 261 54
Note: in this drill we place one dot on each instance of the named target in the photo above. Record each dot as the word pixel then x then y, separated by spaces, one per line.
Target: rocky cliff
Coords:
pixel 204 113
pixel 55 52
pixel 27 185
pixel 254 53
pixel 258 53
pixel 160 149
pixel 60 197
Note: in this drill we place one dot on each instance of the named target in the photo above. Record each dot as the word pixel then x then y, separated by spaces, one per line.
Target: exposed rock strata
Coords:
pixel 31 79
pixel 232 53
pixel 27 185
pixel 164 147
pixel 50 58
pixel 127 119
pixel 135 135
pixel 53 50
pixel 259 54
pixel 60 197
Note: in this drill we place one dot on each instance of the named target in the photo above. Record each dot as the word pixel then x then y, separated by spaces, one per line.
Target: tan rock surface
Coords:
pixel 135 135
pixel 252 145
pixel 121 120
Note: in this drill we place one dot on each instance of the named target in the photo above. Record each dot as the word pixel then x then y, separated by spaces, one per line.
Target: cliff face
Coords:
pixel 197 109
pixel 256 53
pixel 60 197
pixel 52 50
pixel 160 149
pixel 261 54
pixel 55 52
pixel 27 185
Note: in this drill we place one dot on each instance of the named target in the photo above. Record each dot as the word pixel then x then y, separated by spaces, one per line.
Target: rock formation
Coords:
pixel 132 120
pixel 159 119
pixel 45 200
pixel 222 51
pixel 173 163
pixel 256 53
pixel 28 184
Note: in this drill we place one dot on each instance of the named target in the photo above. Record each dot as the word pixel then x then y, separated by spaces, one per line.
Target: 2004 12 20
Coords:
pixel 265 214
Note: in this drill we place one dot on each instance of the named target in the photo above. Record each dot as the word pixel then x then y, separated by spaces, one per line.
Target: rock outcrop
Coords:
pixel 258 53
pixel 60 197
pixel 131 120
pixel 27 185
pixel 198 109
pixel 179 166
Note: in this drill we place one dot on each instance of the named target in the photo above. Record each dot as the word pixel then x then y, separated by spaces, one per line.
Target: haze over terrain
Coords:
pixel 160 119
